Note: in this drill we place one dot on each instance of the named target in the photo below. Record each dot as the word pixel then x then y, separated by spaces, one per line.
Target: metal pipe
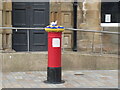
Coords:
pixel 93 43
pixel 101 46
pixel 75 26
pixel 82 30
pixel 21 28
pixel 28 40
pixel 72 29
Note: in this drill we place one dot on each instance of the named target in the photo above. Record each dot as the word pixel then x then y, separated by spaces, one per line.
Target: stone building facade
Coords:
pixel 89 17
pixel 5 21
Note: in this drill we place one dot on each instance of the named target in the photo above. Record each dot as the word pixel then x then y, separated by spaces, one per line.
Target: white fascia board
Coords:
pixel 110 24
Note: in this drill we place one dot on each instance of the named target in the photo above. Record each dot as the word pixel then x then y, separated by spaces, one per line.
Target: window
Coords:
pixel 110 12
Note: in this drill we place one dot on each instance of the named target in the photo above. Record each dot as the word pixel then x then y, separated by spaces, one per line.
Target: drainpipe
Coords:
pixel 75 26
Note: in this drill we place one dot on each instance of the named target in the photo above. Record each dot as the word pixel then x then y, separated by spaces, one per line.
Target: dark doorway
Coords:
pixel 30 14
pixel 110 12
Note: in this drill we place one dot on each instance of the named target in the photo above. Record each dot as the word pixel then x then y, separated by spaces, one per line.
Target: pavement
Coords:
pixel 73 79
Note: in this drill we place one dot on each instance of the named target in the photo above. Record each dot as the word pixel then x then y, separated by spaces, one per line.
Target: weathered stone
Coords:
pixel 62 12
pixel 1 6
pixel 7 19
pixel 55 6
pixel 97 42
pixel 0 18
pixel 7 6
pixel 110 41
pixel 66 19
pixel 17 63
pixel 84 45
pixel 92 5
pixel 7 31
pixel 107 63
pixel 1 42
pixel 79 14
pixel 70 61
pixel 66 6
pixel 91 21
pixel 66 41
pixel 56 16
pixel 81 61
pixel 7 22
pixel 7 42
pixel 1 31
pixel 91 14
pixel 4 41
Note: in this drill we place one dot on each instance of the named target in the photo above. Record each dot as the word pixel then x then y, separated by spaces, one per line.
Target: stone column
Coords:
pixel 1 49
pixel 63 13
pixel 7 34
pixel 66 14
pixel 1 25
pixel 91 21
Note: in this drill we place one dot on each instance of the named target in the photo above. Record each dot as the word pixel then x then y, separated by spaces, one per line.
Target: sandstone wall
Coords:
pixel 88 41
pixel 110 41
pixel 33 61
pixel 1 7
pixel 88 19
pixel 7 22
pixel 63 13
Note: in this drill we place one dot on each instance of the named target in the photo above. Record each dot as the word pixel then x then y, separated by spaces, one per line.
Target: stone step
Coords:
pixel 29 61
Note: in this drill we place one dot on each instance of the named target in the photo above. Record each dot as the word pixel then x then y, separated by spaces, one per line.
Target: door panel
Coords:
pixel 20 44
pixel 20 19
pixel 39 18
pixel 30 15
pixel 37 22
pixel 38 40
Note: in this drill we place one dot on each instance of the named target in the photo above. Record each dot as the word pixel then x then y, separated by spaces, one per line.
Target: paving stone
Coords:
pixel 83 79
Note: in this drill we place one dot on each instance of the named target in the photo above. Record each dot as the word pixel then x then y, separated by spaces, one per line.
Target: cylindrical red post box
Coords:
pixel 54 54
pixel 54 49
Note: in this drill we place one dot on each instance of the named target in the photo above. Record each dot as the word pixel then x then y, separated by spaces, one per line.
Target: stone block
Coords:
pixel 55 16
pixel 84 45
pixel 21 61
pixel 1 6
pixel 92 5
pixel 4 41
pixel 0 18
pixel 7 6
pixel 67 40
pixel 1 42
pixel 110 41
pixel 66 19
pixel 92 20
pixel 78 62
pixel 55 7
pixel 1 31
pixel 66 6
pixel 7 19
pixel 107 62
pixel 92 14
pixel 7 42
pixel 7 31
pixel 17 61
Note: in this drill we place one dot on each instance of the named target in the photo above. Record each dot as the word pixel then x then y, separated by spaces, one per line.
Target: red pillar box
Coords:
pixel 54 53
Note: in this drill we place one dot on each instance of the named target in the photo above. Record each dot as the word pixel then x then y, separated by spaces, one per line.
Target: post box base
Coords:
pixel 54 75
pixel 62 81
